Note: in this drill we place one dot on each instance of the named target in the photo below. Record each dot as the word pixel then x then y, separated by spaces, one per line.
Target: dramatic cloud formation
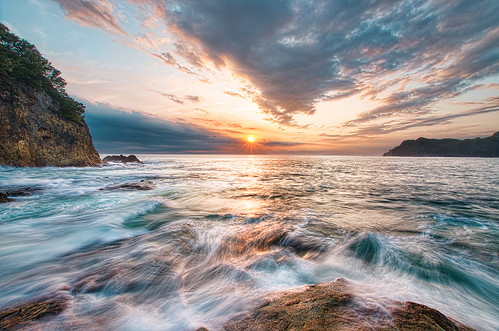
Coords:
pixel 405 124
pixel 297 53
pixel 407 55
pixel 115 131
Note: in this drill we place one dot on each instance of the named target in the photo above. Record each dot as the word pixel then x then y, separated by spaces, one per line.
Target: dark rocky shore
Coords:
pixel 328 306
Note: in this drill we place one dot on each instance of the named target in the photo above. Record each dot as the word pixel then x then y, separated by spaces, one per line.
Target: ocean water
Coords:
pixel 217 233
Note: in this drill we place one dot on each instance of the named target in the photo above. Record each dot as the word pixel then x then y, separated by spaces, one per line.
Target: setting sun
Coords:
pixel 251 139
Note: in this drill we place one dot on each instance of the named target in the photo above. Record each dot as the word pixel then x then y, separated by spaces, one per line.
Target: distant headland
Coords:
pixel 478 147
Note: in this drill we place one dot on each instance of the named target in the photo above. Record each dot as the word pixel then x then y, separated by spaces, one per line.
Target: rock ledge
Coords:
pixel 332 306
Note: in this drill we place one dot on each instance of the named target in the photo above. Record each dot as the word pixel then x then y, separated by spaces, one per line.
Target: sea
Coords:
pixel 188 241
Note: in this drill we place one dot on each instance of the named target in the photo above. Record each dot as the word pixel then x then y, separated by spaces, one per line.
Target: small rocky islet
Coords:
pixel 122 159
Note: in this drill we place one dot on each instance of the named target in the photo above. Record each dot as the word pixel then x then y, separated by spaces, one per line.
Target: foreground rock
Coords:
pixel 332 306
pixel 122 159
pixel 24 314
pixel 40 124
pixel 486 147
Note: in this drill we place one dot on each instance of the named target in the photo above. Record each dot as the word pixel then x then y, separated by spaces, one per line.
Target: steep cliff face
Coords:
pixel 33 132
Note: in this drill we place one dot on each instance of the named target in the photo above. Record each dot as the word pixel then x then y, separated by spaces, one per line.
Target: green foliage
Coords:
pixel 21 61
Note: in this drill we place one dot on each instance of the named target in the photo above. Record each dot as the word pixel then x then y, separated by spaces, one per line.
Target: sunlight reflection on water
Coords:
pixel 218 232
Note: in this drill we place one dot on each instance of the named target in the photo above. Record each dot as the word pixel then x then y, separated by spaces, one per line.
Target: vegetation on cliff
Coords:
pixel 20 61
pixel 479 147
pixel 40 124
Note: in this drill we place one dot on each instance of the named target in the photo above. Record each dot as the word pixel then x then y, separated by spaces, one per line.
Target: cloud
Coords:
pixel 281 143
pixel 407 55
pixel 408 123
pixel 298 53
pixel 94 14
pixel 171 61
pixel 193 98
pixel 118 131
pixel 182 100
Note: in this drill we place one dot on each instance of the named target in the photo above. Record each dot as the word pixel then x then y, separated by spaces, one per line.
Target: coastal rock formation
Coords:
pixel 26 313
pixel 478 147
pixel 122 159
pixel 333 306
pixel 40 124
pixel 33 134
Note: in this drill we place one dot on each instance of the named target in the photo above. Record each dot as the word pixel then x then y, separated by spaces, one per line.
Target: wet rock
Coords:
pixel 333 306
pixel 4 198
pixel 23 314
pixel 122 159
pixel 143 185
pixel 22 192
pixel 414 316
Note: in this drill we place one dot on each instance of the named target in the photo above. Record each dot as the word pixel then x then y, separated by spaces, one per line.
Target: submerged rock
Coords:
pixel 23 314
pixel 143 185
pixel 333 306
pixel 4 198
pixel 22 192
pixel 122 159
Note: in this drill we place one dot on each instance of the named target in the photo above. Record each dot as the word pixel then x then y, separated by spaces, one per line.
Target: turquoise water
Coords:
pixel 216 233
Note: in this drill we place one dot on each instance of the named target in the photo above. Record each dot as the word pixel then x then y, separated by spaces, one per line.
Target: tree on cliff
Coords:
pixel 21 61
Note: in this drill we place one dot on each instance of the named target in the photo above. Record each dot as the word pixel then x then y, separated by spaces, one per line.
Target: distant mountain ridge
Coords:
pixel 478 147
pixel 40 124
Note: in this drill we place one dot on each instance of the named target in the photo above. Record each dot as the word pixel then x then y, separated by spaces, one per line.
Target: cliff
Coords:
pixel 33 133
pixel 478 147
pixel 40 124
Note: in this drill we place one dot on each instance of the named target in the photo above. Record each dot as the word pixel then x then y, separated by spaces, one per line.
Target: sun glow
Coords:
pixel 251 139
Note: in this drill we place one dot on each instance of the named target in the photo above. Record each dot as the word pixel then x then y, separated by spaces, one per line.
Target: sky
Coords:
pixel 300 76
